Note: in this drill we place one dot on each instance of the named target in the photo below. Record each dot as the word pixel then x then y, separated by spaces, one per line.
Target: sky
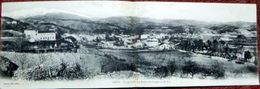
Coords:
pixel 209 12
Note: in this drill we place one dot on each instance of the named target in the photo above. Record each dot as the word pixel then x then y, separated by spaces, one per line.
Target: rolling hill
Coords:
pixel 70 23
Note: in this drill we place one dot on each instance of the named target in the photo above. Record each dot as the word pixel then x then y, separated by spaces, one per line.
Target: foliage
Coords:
pixel 52 72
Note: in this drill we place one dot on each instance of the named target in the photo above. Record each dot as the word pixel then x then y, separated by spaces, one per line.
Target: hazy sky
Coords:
pixel 158 10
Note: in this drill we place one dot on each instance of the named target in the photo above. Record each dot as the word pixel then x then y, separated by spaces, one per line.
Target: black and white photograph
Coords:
pixel 104 44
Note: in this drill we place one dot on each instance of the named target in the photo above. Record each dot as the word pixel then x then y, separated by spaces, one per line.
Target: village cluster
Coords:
pixel 236 47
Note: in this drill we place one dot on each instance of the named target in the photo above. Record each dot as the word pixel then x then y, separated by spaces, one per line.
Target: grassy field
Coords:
pixel 90 62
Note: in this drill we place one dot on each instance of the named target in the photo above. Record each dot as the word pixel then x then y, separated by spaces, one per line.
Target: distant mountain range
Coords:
pixel 70 23
pixel 57 15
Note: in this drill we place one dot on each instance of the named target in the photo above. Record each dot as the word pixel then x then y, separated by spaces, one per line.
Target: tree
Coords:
pixel 247 55
pixel 209 44
pixel 226 50
pixel 200 44
pixel 184 44
pixel 215 45
pixel 221 48
pixel 193 46
pixel 139 31
pixel 196 44
pixel 119 42
pixel 98 39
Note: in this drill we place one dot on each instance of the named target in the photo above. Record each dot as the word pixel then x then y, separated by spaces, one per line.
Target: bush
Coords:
pixel 172 67
pixel 161 71
pixel 252 68
pixel 7 67
pixel 164 71
pixel 112 65
pixel 62 71
pixel 215 70
pixel 190 67
pixel 256 62
pixel 71 72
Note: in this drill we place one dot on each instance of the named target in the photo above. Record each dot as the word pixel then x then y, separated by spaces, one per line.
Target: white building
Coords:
pixel 33 36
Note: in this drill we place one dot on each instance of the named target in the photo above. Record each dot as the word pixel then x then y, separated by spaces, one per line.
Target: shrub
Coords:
pixel 40 73
pixel 218 71
pixel 215 70
pixel 7 67
pixel 190 67
pixel 71 72
pixel 62 71
pixel 252 68
pixel 164 71
pixel 112 65
pixel 161 71
pixel 256 62
pixel 172 67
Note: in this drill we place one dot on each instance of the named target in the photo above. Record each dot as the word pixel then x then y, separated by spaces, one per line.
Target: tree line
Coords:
pixel 215 48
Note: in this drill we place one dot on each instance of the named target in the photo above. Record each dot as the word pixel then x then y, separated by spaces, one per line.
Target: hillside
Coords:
pixel 13 24
pixel 69 23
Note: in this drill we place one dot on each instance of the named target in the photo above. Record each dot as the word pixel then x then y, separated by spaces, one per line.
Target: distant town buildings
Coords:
pixel 34 36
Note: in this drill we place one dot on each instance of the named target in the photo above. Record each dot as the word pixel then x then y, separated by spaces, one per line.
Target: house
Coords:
pixel 35 36
pixel 166 46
